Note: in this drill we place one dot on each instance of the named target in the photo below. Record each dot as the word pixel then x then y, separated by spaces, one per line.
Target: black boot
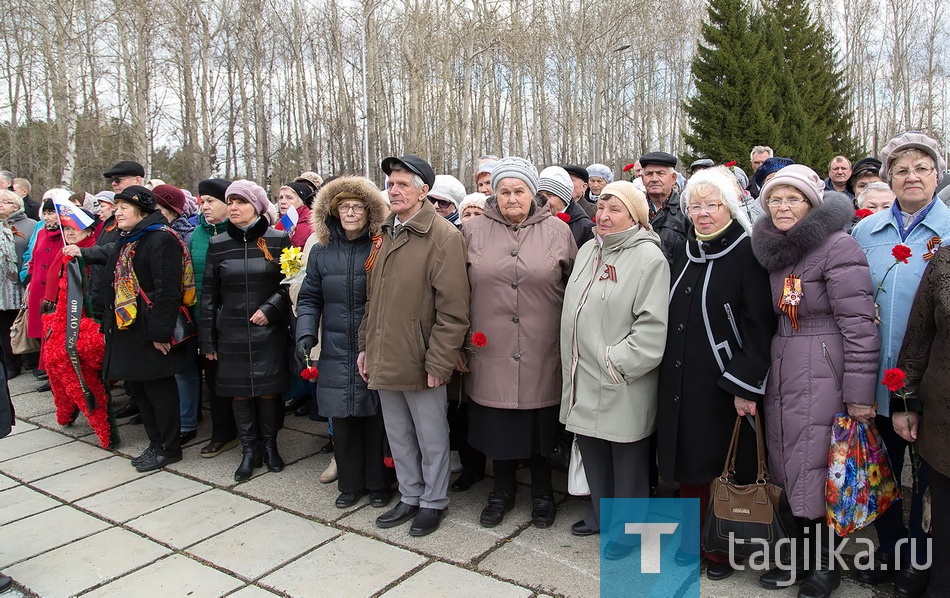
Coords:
pixel 824 580
pixel 272 415
pixel 245 418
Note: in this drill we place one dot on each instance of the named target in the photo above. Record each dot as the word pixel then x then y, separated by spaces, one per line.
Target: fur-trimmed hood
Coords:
pixel 358 186
pixel 775 249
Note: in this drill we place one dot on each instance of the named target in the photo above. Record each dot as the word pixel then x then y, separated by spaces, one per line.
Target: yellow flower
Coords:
pixel 874 474
pixel 291 261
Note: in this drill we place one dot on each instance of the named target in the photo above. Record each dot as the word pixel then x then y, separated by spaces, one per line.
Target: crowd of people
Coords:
pixel 436 330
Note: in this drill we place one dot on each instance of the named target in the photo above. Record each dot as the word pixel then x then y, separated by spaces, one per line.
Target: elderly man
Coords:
pixel 666 217
pixel 580 188
pixel 757 156
pixel 839 171
pixel 125 174
pixel 912 164
pixel 412 332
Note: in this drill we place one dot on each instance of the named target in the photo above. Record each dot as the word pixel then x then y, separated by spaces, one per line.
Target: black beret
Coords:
pixel 303 191
pixel 413 164
pixel 138 196
pixel 661 158
pixel 214 187
pixel 125 168
pixel 578 171
pixel 863 167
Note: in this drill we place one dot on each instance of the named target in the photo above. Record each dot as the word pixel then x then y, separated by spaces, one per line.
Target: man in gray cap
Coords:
pixel 414 327
pixel 666 217
pixel 913 165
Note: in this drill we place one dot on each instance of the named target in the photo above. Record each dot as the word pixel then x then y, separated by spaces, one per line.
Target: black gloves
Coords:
pixel 302 351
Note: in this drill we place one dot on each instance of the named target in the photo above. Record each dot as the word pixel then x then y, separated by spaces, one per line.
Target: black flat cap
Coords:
pixel 139 196
pixel 578 171
pixel 661 158
pixel 413 164
pixel 125 168
pixel 216 188
pixel 863 167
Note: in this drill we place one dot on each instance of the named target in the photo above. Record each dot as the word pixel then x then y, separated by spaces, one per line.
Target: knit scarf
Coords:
pixel 127 283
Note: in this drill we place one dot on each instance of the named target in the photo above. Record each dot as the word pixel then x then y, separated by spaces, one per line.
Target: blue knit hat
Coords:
pixel 773 164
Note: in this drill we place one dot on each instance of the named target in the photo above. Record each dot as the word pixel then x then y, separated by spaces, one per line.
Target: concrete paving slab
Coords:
pixel 6 482
pixel 441 580
pixel 89 562
pixel 17 503
pixel 21 426
pixel 197 518
pixel 53 460
pixel 79 428
pixel 349 566
pixel 25 383
pixel 250 592
pixel 551 560
pixel 29 403
pixel 171 577
pixel 217 470
pixel 12 447
pixel 257 546
pixel 134 441
pixel 297 489
pixel 308 426
pixel 460 538
pixel 39 533
pixel 87 480
pixel 142 496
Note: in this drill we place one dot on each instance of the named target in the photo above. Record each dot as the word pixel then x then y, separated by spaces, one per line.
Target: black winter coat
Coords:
pixel 334 292
pixel 718 347
pixel 97 257
pixel 129 353
pixel 671 223
pixel 239 280
pixel 582 227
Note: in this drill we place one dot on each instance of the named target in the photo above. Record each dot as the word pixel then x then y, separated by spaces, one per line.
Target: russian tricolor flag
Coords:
pixel 71 216
pixel 288 221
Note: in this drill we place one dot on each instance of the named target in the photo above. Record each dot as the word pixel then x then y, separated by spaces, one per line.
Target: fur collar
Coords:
pixel 776 250
pixel 326 225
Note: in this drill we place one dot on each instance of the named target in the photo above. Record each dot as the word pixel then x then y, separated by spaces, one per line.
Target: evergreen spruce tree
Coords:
pixel 731 110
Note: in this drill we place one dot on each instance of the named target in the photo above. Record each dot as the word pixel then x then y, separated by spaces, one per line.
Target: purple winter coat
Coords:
pixel 831 360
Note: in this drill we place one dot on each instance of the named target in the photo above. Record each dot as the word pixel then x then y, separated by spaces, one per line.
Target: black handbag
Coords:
pixel 744 519
pixel 185 328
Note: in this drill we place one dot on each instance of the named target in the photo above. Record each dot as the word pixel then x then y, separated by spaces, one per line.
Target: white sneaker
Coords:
pixel 330 473
pixel 454 462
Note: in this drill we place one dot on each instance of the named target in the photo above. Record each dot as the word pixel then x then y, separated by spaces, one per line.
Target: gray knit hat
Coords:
pixel 916 140
pixel 602 171
pixel 556 180
pixel 515 168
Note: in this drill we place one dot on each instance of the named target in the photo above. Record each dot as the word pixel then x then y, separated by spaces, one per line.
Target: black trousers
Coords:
pixel 358 448
pixel 473 460
pixel 505 470
pixel 222 415
pixel 614 470
pixel 158 406
pixel 10 361
pixel 940 532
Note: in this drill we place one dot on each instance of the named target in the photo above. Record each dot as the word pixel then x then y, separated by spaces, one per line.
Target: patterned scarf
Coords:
pixel 127 283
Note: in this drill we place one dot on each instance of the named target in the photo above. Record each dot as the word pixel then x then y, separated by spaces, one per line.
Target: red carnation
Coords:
pixel 730 164
pixel 563 216
pixel 310 374
pixel 628 167
pixel 862 213
pixel 479 339
pixel 894 377
pixel 901 253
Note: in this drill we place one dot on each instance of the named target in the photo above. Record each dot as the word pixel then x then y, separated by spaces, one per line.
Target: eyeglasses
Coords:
pixel 792 202
pixel 710 208
pixel 8 202
pixel 356 208
pixel 442 203
pixel 919 171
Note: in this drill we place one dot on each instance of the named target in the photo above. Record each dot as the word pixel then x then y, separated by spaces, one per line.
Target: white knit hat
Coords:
pixel 556 180
pixel 718 179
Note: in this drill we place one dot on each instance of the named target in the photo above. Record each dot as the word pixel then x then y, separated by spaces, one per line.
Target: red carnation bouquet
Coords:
pixel 901 254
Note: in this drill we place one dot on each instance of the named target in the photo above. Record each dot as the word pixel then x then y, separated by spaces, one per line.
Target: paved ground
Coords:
pixel 78 520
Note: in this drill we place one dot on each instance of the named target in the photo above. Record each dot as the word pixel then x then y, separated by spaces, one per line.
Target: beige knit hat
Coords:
pixel 799 176
pixel 631 197
pixel 908 140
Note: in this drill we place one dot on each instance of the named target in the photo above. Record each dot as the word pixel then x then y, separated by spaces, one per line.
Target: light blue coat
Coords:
pixel 877 235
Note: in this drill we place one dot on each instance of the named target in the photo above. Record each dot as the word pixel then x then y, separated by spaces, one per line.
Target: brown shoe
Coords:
pixel 215 448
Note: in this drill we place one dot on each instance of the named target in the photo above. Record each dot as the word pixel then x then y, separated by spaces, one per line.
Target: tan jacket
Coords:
pixel 613 334
pixel 518 274
pixel 417 303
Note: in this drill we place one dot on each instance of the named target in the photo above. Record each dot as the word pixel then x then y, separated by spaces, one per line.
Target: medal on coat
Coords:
pixel 609 273
pixel 932 246
pixel 791 298
pixel 371 260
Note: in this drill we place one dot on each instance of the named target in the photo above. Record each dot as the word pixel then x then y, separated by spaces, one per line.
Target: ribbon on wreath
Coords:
pixel 74 298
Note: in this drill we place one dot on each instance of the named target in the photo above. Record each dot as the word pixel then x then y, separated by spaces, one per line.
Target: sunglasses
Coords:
pixel 117 179
pixel 442 203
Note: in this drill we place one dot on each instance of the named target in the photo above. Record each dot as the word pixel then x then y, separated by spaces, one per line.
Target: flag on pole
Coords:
pixel 288 221
pixel 71 216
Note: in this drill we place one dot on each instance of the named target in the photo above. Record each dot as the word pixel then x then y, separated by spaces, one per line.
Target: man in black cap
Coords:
pixel 581 178
pixel 414 327
pixel 666 217
pixel 125 174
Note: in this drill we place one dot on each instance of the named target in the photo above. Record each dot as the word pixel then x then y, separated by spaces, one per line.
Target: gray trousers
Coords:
pixel 418 433
pixel 614 470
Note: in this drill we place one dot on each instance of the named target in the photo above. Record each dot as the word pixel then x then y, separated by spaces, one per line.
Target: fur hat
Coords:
pixel 557 181
pixel 252 193
pixel 719 179
pixel 513 167
pixel 799 176
pixel 342 189
pixel 916 140
pixel 631 197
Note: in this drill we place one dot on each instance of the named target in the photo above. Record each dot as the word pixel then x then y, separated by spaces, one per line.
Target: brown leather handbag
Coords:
pixel 743 519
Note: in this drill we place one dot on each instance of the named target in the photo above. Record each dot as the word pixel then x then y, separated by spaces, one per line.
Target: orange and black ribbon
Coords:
pixel 371 260
pixel 791 298
pixel 932 246
pixel 609 273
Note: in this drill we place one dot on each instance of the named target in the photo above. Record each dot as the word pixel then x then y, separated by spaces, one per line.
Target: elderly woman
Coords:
pixel 298 197
pixel 519 259
pixel 145 279
pixel 613 330
pixel 922 417
pixel 15 233
pixel 717 348
pixel 348 213
pixel 472 205
pixel 876 197
pixel 244 315
pixel 824 354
